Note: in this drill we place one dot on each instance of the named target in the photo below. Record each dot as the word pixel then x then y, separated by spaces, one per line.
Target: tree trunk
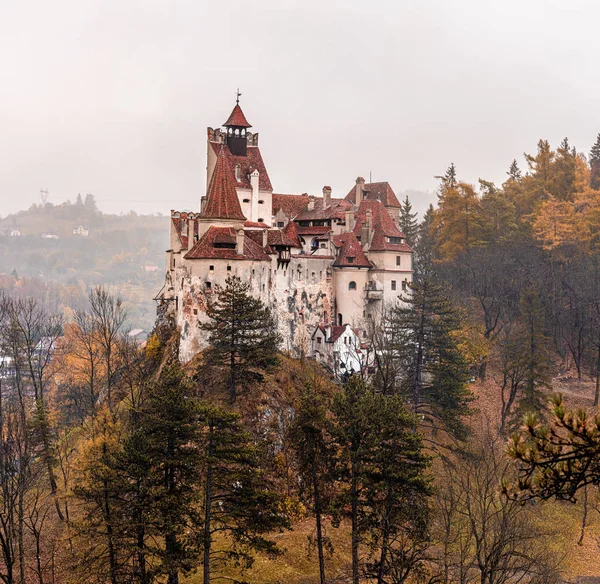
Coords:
pixel 355 538
pixel 207 540
pixel 318 511
pixel 112 558
pixel 597 395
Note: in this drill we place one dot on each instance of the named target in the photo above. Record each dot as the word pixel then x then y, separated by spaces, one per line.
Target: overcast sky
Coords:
pixel 113 97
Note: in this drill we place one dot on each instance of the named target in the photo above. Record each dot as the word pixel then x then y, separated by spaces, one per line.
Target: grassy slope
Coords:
pixel 298 565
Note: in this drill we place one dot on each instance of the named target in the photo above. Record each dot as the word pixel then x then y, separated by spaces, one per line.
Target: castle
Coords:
pixel 324 265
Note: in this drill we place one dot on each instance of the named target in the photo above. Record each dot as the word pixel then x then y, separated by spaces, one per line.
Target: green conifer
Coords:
pixel 595 164
pixel 408 222
pixel 242 333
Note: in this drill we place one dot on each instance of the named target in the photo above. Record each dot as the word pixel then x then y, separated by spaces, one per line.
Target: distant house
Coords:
pixel 81 231
pixel 49 236
pixel 15 233
pixel 139 335
pixel 340 348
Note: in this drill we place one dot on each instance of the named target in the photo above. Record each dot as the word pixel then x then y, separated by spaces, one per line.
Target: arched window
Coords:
pixel 352 286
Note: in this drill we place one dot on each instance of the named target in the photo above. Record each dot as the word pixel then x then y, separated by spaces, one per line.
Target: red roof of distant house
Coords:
pixel 278 237
pixel 205 248
pixel 351 254
pixel 221 200
pixel 336 210
pixel 237 118
pixel 379 191
pixel 338 331
pixel 248 164
pixel 383 227
pixel 291 205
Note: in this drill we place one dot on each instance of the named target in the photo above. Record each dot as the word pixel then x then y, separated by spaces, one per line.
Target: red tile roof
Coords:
pixel 205 247
pixel 249 163
pixel 256 225
pixel 350 248
pixel 221 200
pixel 383 227
pixel 336 210
pixel 291 231
pixel 291 205
pixel 237 118
pixel 279 237
pixel 316 230
pixel 379 191
pixel 338 331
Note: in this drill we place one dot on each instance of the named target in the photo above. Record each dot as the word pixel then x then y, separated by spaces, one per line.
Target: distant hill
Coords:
pixel 123 252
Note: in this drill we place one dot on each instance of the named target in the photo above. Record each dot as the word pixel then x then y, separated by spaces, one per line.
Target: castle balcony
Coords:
pixel 372 292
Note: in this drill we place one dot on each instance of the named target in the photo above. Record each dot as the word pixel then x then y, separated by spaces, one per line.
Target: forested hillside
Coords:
pixel 444 462
pixel 123 252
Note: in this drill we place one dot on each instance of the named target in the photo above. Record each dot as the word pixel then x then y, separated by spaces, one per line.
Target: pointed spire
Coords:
pixel 237 118
pixel 221 200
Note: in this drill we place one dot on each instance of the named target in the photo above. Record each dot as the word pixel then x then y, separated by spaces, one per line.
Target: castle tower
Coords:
pixel 235 128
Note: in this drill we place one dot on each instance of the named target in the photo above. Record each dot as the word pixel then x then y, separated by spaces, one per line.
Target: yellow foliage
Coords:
pixel 471 342
pixel 153 347
pixel 559 223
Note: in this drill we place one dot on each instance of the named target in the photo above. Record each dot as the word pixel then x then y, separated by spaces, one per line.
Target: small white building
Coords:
pixel 15 233
pixel 81 231
pixel 340 348
pixel 49 236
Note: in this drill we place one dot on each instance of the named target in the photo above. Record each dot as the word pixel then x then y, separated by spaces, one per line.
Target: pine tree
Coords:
pixel 595 164
pixel 424 250
pixel 381 469
pixel 242 333
pixel 423 333
pixel 449 179
pixel 408 222
pixel 79 201
pixel 169 422
pixel 310 436
pixel 514 172
pixel 90 204
pixel 237 500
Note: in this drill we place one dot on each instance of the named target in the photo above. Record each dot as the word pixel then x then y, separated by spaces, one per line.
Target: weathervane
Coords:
pixel 237 96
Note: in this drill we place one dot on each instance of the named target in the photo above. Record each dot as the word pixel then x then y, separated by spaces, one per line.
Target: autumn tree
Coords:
pixel 242 334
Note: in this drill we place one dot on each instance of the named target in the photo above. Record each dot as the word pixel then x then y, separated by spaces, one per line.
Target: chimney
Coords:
pixel 326 196
pixel 369 222
pixel 265 239
pixel 349 217
pixel 360 183
pixel 239 242
pixel 202 203
pixel 191 240
pixel 311 202
pixel 254 196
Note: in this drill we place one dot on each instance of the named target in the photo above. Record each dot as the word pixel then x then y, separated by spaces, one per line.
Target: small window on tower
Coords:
pixel 208 285
pixel 260 202
pixel 397 260
pixel 261 220
pixel 211 267
pixel 229 268
pixel 352 286
pixel 393 284
pixel 245 200
pixel 404 285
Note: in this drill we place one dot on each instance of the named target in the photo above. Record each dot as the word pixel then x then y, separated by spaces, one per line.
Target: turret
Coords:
pixel 236 127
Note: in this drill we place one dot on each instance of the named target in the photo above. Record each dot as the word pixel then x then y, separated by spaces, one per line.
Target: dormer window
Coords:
pixel 350 260
pixel 238 172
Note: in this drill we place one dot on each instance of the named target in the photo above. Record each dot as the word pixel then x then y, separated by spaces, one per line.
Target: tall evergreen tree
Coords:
pixel 424 249
pixel 381 468
pixel 514 172
pixel 237 501
pixel 408 222
pixel 311 439
pixel 423 337
pixel 90 204
pixel 169 422
pixel 595 164
pixel 242 333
